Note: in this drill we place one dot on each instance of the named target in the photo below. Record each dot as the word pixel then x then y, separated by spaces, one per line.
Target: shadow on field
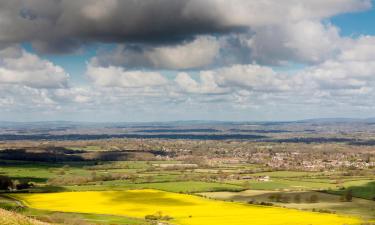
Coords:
pixel 63 155
pixel 289 197
pixel 47 189
pixel 30 179
pixel 366 191
pixel 148 198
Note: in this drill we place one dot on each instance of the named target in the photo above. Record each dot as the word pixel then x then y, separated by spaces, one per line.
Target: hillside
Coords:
pixel 11 218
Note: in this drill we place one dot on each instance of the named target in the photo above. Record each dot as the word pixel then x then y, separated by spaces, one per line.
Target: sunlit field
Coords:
pixel 178 208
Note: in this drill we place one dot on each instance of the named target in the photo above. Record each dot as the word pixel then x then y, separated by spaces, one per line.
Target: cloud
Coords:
pixel 353 68
pixel 50 24
pixel 305 41
pixel 226 80
pixel 310 42
pixel 19 67
pixel 188 55
pixel 348 74
pixel 297 39
pixel 220 56
pixel 206 85
pixel 118 77
pixel 63 25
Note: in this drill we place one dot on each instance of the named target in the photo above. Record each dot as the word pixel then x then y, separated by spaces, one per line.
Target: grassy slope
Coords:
pixel 11 218
pixel 64 218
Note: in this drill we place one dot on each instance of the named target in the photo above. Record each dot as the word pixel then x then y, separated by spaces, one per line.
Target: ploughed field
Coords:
pixel 177 208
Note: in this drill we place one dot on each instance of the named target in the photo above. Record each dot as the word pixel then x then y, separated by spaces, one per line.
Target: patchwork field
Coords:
pixel 176 208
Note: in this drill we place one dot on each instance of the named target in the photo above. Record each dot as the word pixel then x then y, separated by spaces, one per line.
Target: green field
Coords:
pixel 362 189
pixel 327 202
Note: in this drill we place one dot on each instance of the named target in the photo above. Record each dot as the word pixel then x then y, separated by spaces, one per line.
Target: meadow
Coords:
pixel 176 208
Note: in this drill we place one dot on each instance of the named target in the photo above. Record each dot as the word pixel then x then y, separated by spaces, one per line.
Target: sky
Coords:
pixel 167 60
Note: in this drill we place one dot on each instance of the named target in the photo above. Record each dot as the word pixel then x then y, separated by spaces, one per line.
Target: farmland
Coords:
pixel 98 181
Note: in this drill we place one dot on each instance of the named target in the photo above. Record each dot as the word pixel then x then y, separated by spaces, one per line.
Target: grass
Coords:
pixel 284 174
pixel 12 205
pixel 12 218
pixel 282 184
pixel 361 189
pixel 184 209
pixel 178 187
pixel 83 218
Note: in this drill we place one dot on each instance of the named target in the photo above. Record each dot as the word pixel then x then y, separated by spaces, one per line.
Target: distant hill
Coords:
pixel 73 124
pixel 333 120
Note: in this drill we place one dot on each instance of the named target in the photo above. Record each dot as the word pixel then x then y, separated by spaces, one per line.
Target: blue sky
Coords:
pixel 252 60
pixel 355 24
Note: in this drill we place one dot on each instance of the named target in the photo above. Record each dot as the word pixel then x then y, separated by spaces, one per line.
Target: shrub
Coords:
pixel 297 198
pixel 24 185
pixel 347 196
pixel 151 217
pixel 313 199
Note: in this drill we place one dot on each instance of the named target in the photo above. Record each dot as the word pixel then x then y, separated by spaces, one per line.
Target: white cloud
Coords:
pixel 238 77
pixel 117 77
pixel 207 84
pixel 22 68
pixel 361 49
pixel 260 13
pixel 199 53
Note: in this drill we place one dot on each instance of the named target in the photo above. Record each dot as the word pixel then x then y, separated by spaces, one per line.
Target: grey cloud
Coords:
pixel 199 53
pixel 62 25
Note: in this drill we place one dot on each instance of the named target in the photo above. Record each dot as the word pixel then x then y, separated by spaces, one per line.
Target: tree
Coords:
pixel 314 198
pixel 285 199
pixel 23 185
pixel 272 198
pixel 348 196
pixel 278 197
pixel 297 198
pixel 5 183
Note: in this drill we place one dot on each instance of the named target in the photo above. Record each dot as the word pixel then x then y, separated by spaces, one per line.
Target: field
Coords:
pixel 302 200
pixel 363 189
pixel 176 208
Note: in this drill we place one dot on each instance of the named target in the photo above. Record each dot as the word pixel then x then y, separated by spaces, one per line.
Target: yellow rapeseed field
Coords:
pixel 185 209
